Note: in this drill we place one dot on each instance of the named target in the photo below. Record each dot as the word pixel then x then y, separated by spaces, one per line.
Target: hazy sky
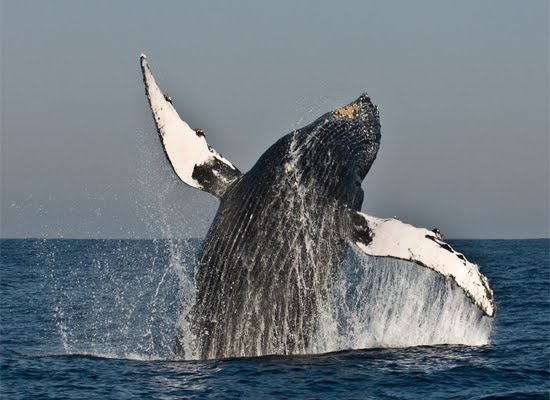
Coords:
pixel 463 89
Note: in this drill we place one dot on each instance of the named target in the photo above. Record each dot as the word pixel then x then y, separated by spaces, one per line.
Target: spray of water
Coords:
pixel 123 303
pixel 384 302
pixel 118 299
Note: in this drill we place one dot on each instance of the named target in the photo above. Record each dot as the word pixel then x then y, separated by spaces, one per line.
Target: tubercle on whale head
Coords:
pixel 347 111
pixel 360 118
pixel 358 108
pixel 361 108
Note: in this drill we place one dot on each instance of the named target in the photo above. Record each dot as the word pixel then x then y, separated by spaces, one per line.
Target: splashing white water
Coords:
pixel 384 302
pixel 185 336
pixel 119 299
pixel 136 310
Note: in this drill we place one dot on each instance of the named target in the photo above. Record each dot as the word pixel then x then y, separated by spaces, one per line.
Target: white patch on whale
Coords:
pixel 393 238
pixel 184 147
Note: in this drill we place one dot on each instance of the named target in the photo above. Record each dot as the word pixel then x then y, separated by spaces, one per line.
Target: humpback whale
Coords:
pixel 282 230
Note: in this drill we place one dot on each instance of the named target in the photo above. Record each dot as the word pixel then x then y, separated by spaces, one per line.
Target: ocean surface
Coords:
pixel 96 319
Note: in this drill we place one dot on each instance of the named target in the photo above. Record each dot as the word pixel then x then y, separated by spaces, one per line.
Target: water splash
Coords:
pixel 385 302
pixel 129 299
pixel 119 298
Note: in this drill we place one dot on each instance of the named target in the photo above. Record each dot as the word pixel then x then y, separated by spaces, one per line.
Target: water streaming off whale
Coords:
pixel 123 298
pixel 385 302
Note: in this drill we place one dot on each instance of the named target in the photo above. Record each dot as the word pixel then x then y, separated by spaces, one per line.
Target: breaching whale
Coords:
pixel 283 228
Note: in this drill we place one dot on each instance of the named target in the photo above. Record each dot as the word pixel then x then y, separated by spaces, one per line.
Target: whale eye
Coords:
pixel 360 168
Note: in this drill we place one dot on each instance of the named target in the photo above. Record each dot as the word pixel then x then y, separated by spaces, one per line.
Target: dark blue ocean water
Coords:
pixel 95 319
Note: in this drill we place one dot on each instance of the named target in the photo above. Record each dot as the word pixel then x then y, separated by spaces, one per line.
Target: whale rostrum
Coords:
pixel 282 229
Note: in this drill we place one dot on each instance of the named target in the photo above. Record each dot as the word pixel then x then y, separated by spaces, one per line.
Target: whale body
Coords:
pixel 282 230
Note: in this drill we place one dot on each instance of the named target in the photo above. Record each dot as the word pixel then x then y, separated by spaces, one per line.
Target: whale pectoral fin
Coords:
pixel 193 160
pixel 393 238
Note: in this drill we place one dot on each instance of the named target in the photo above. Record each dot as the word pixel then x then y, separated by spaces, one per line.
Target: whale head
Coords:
pixel 342 144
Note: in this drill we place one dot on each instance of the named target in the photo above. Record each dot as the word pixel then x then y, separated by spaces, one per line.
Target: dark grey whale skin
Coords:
pixel 279 236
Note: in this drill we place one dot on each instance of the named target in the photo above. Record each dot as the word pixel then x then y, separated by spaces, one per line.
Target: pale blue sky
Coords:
pixel 463 89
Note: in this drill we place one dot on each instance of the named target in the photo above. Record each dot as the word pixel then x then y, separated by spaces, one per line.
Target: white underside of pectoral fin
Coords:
pixel 186 148
pixel 393 238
